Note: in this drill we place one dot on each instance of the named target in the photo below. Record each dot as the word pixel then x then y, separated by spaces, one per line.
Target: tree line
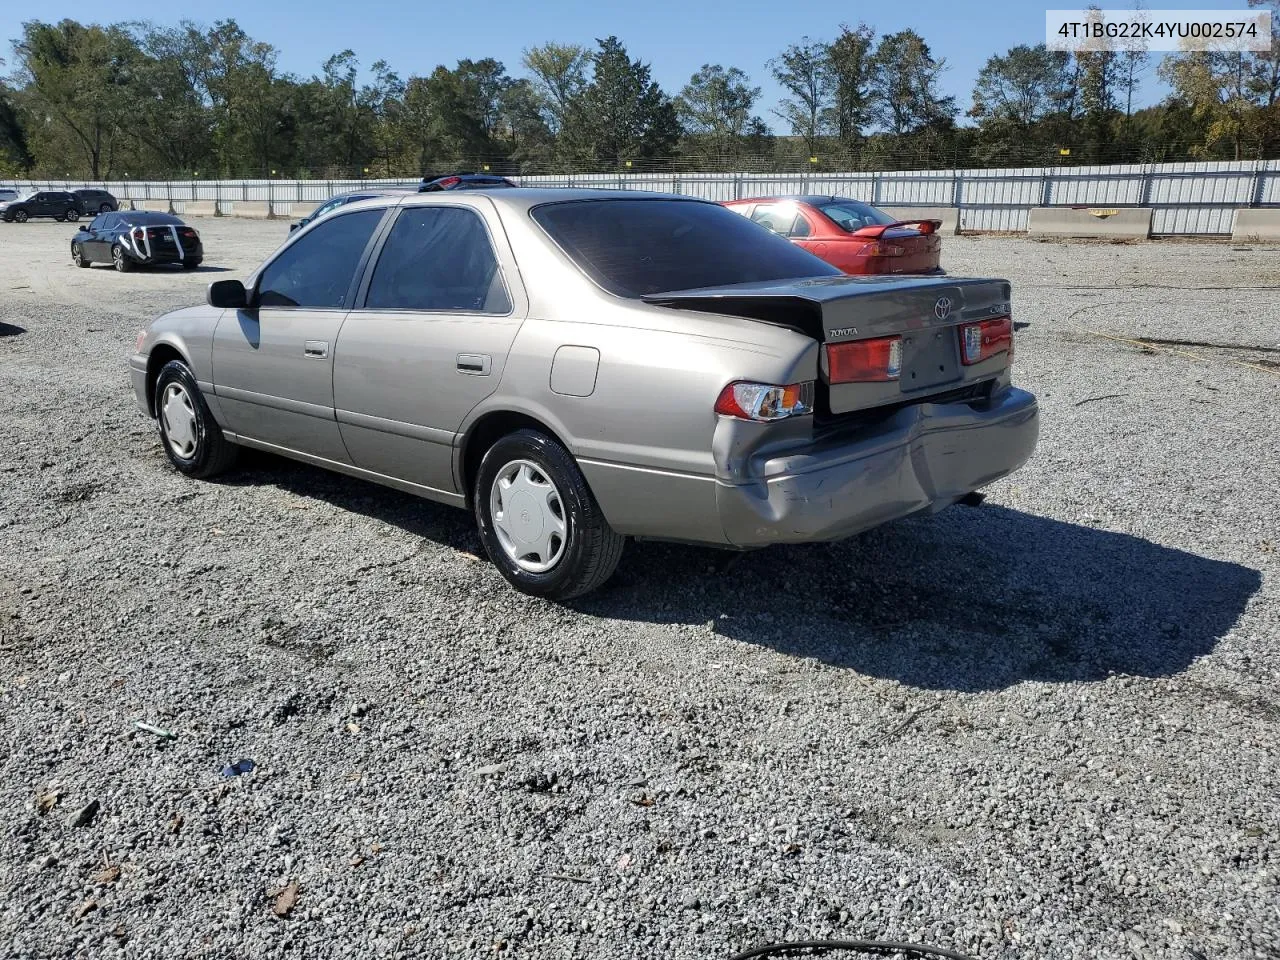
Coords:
pixel 146 101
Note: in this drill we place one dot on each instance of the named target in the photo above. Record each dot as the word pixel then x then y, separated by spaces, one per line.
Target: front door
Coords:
pixel 429 341
pixel 97 243
pixel 273 360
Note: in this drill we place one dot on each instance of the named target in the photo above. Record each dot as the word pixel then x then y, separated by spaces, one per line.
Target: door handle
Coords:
pixel 315 348
pixel 474 364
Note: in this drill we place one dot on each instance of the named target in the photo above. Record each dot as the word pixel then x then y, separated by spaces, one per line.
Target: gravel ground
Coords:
pixel 1042 728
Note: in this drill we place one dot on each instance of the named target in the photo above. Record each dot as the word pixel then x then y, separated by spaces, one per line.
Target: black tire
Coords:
pixel 71 216
pixel 21 216
pixel 211 452
pixel 190 264
pixel 105 208
pixel 591 549
pixel 78 257
pixel 120 259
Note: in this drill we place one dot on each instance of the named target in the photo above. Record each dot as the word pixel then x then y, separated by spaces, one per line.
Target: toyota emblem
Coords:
pixel 942 309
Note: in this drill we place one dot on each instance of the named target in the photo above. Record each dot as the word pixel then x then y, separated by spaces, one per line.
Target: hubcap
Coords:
pixel 75 253
pixel 179 417
pixel 528 516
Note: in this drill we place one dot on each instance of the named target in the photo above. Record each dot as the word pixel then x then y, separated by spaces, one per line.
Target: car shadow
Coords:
pixel 966 600
pixel 11 330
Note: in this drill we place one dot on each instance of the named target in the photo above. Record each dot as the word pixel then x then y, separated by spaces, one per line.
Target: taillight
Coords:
pixel 879 249
pixel 188 233
pixel 984 339
pixel 864 361
pixel 765 401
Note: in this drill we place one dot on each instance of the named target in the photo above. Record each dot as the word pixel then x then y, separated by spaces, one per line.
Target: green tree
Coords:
pixel 625 115
pixel 559 75
pixel 1023 86
pixel 851 65
pixel 906 82
pixel 715 107
pixel 76 79
pixel 804 71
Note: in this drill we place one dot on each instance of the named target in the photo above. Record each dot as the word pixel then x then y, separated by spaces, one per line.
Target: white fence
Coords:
pixel 1187 198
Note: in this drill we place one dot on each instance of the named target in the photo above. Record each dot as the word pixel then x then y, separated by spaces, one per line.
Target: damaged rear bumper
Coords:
pixel 922 457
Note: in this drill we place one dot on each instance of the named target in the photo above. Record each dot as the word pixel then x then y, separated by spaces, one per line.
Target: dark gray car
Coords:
pixel 55 204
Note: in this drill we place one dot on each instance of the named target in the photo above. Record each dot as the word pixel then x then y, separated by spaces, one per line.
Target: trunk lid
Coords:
pixel 909 251
pixel 924 311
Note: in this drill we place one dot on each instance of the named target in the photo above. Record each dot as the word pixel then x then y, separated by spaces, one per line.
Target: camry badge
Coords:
pixel 942 309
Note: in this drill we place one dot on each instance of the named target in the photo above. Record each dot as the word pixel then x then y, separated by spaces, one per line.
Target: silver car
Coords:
pixel 579 367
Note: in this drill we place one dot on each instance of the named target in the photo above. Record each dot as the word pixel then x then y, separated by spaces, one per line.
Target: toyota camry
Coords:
pixel 578 367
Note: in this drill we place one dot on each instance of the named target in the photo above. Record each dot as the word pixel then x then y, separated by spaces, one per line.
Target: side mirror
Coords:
pixel 228 295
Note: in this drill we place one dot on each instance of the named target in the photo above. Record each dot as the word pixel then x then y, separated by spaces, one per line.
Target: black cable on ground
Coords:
pixel 861 946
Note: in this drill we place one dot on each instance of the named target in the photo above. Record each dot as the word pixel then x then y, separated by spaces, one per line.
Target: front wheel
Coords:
pixel 72 215
pixel 120 259
pixel 191 437
pixel 77 255
pixel 538 520
pixel 21 216
pixel 104 208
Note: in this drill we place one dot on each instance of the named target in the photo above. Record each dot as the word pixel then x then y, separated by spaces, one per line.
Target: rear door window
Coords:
pixel 438 258
pixel 317 269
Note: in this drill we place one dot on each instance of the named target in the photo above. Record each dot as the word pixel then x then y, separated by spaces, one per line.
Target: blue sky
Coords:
pixel 675 36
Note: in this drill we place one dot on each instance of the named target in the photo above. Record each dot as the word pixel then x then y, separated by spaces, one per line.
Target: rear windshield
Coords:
pixel 637 247
pixel 152 220
pixel 851 215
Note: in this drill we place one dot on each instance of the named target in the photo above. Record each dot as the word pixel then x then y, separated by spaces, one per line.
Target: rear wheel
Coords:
pixel 21 216
pixel 77 256
pixel 120 259
pixel 190 264
pixel 72 215
pixel 191 437
pixel 105 208
pixel 538 520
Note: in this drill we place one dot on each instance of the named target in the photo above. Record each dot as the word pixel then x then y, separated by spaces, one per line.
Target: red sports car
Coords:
pixel 849 234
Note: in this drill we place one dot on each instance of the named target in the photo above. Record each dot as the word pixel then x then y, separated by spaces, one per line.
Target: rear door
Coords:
pixel 273 361
pixel 439 310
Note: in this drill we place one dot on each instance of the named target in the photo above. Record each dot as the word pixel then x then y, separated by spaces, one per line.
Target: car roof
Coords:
pixel 520 199
pixel 813 199
pixel 144 217
pixel 369 192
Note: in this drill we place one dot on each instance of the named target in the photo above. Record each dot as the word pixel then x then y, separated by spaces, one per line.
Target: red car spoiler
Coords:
pixel 876 230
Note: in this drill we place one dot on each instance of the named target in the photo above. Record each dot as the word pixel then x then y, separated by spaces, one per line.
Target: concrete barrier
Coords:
pixel 1110 223
pixel 153 206
pixel 950 216
pixel 1257 225
pixel 292 210
pixel 197 208
pixel 256 209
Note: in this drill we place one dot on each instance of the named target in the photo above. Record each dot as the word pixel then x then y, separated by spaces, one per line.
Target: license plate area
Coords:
pixel 929 358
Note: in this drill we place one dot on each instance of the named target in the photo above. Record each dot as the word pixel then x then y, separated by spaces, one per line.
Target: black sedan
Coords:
pixel 129 239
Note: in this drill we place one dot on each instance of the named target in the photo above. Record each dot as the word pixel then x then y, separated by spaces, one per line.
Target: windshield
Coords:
pixel 636 247
pixel 851 215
